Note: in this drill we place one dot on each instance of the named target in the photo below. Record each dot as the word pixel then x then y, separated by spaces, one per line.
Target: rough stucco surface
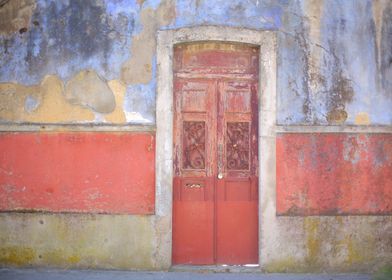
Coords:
pixel 334 57
pixel 83 241
pixel 348 243
pixel 334 174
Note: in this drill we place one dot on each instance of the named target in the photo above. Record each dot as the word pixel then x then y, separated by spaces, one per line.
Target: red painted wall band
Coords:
pixel 334 174
pixel 78 172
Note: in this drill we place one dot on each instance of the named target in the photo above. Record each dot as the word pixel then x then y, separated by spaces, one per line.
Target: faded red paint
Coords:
pixel 332 174
pixel 215 201
pixel 77 172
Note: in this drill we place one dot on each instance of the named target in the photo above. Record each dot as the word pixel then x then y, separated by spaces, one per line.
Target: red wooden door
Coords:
pixel 215 188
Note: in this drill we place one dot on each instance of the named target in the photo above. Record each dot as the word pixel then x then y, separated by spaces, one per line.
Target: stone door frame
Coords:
pixel 266 41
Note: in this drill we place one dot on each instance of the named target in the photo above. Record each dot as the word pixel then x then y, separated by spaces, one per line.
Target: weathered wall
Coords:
pixel 78 172
pixel 93 62
pixel 76 240
pixel 334 64
pixel 334 174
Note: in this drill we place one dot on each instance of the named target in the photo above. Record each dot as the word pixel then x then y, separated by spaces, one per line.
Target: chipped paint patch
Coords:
pixel 15 16
pixel 118 89
pixel 138 69
pixel 55 108
pixel 89 90
pixel 13 98
pixel 43 103
pixel 65 37
pixel 362 118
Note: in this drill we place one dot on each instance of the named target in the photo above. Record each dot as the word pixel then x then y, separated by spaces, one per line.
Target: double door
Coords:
pixel 215 188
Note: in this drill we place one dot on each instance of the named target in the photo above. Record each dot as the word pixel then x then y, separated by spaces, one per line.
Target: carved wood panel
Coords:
pixel 193 145
pixel 237 146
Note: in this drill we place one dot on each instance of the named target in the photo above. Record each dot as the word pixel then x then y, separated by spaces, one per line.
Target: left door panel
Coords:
pixel 193 204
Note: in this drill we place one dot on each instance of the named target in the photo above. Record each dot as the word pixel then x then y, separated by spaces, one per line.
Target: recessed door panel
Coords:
pixel 215 201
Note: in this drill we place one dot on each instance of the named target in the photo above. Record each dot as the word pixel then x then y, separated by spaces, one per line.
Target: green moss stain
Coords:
pixel 16 255
pixel 74 259
pixel 77 241
pixel 353 253
pixel 385 273
pixel 313 241
pixel 59 257
pixel 283 265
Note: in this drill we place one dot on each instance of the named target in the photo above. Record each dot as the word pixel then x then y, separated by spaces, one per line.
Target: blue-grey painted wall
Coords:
pixel 334 61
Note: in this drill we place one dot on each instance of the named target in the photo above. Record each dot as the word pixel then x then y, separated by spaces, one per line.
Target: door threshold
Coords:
pixel 253 268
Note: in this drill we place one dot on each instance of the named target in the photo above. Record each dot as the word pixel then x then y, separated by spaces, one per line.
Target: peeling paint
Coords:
pixel 118 89
pixel 138 69
pixel 362 118
pixel 49 105
pixel 89 90
pixel 334 68
pixel 15 16
pixel 334 58
pixel 66 37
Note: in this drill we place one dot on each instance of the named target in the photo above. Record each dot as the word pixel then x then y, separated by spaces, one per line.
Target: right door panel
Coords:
pixel 237 184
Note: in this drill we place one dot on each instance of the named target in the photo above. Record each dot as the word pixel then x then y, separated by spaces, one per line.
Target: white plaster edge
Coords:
pixel 266 40
pixel 76 128
pixel 333 129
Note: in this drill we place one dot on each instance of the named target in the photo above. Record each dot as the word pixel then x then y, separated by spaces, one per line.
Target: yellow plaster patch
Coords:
pixel 362 118
pixel 52 106
pixel 12 100
pixel 118 115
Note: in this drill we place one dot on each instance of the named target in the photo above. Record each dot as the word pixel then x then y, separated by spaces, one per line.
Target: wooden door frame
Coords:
pixel 166 39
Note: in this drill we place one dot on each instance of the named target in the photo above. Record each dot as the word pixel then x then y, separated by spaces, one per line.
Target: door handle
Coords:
pixel 220 161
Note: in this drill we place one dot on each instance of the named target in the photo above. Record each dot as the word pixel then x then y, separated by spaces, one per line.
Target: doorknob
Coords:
pixel 220 176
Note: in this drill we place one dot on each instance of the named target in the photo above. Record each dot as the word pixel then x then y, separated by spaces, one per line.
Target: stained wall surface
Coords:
pixel 84 64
